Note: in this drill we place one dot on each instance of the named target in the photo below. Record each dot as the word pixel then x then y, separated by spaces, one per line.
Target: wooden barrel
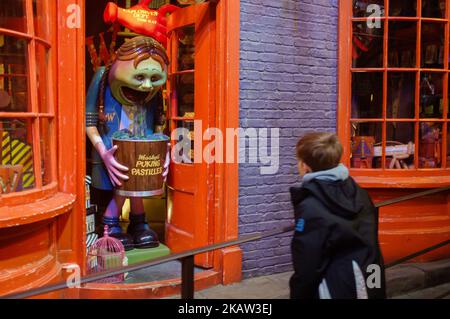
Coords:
pixel 145 161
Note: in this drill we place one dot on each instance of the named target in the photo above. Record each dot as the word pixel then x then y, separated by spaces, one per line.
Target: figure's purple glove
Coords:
pixel 166 163
pixel 112 166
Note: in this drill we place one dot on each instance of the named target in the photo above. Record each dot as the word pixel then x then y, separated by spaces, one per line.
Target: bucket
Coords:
pixel 145 161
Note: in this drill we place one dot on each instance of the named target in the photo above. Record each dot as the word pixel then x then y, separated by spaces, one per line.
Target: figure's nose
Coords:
pixel 147 84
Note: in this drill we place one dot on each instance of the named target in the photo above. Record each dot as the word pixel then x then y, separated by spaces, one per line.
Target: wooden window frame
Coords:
pixel 15 202
pixel 380 178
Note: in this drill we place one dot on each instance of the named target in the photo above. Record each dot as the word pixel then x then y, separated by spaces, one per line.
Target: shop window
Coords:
pixel 26 101
pixel 396 116
pixel 183 97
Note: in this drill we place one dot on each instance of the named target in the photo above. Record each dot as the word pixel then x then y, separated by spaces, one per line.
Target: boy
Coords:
pixel 335 248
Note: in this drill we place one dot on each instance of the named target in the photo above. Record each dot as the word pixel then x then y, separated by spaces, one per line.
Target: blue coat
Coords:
pixel 113 112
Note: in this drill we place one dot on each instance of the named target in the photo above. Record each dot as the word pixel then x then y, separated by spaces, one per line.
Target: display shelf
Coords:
pixel 140 255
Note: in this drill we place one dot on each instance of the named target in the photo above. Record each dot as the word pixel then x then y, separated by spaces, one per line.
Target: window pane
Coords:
pixel 41 14
pixel 367 45
pixel 365 8
pixel 430 135
pixel 186 138
pixel 16 158
pixel 186 48
pixel 42 82
pixel 367 97
pixel 402 44
pixel 46 132
pixel 13 75
pixel 12 15
pixel 433 8
pixel 399 146
pixel 432 45
pixel 401 94
pixel 431 97
pixel 365 137
pixel 402 8
pixel 184 90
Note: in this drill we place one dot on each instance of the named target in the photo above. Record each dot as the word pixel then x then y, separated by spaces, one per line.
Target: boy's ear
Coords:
pixel 303 168
pixel 306 168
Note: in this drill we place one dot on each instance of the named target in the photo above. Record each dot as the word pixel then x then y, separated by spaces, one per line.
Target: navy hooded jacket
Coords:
pixel 336 229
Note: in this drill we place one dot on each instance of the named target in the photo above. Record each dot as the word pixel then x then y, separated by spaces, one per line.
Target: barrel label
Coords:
pixel 147 165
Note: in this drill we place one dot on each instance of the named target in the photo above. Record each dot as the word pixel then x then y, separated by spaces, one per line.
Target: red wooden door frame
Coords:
pixel 223 201
pixel 189 185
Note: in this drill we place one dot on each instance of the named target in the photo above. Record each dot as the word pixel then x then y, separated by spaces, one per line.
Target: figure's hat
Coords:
pixel 141 19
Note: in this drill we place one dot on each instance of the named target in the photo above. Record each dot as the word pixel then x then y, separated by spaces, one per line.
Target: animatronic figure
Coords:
pixel 118 95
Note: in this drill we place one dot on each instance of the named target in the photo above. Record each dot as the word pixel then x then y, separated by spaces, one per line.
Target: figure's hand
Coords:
pixel 112 166
pixel 166 163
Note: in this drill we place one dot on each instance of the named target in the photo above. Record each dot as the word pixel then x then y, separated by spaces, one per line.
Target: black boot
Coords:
pixel 143 236
pixel 114 230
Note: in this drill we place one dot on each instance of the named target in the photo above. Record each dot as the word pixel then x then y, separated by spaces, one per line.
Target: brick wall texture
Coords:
pixel 288 80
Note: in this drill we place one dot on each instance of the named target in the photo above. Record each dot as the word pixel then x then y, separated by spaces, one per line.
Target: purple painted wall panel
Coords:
pixel 288 80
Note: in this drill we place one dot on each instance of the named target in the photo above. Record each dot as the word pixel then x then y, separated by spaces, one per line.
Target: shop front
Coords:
pixel 376 72
pixel 49 51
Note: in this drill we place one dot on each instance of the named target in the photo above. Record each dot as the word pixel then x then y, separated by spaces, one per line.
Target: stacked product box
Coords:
pixel 91 210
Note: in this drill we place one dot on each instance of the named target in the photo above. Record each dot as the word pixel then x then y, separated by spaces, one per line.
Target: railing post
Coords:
pixel 187 277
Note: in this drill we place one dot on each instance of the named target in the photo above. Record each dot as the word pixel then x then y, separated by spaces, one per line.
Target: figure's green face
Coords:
pixel 135 86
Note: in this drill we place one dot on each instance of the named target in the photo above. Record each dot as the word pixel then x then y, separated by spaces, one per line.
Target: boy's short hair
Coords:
pixel 320 151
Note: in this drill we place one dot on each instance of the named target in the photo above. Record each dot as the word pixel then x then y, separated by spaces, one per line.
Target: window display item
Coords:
pixel 398 155
pixel 406 58
pixel 90 221
pixel 141 19
pixel 10 178
pixel 5 99
pixel 87 185
pixel 361 43
pixel 122 105
pixel 144 159
pixel 430 146
pixel 429 100
pixel 431 54
pixel 91 235
pixel 362 151
pixel 402 8
pixel 16 151
pixel 433 8
pixel 360 7
pixel 105 254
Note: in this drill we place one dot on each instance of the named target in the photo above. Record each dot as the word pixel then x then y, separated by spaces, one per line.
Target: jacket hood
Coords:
pixel 338 173
pixel 342 197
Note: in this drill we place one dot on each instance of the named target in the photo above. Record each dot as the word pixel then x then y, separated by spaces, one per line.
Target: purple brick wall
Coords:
pixel 288 80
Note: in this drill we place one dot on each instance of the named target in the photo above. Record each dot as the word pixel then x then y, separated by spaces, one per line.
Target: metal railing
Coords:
pixel 187 258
